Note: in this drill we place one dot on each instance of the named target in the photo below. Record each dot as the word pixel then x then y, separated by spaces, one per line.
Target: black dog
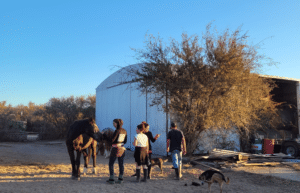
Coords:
pixel 211 176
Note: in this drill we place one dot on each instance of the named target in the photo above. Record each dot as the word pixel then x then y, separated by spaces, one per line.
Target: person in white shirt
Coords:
pixel 141 152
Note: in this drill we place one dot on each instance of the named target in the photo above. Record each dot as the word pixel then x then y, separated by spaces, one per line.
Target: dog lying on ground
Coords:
pixel 158 162
pixel 211 176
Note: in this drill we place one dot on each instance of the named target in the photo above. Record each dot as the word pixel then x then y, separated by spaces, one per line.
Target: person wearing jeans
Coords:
pixel 177 146
pixel 176 158
pixel 117 151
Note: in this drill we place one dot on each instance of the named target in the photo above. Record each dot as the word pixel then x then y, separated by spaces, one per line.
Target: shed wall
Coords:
pixel 127 103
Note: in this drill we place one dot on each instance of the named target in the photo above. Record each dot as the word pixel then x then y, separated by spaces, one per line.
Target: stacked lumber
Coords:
pixel 227 155
pixel 241 158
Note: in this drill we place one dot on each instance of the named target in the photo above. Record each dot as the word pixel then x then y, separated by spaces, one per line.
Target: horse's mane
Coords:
pixel 109 133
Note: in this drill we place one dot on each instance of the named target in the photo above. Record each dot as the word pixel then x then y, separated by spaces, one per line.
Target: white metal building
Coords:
pixel 127 103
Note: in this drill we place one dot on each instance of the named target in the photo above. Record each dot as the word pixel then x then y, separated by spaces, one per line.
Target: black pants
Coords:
pixel 121 164
pixel 149 156
pixel 141 156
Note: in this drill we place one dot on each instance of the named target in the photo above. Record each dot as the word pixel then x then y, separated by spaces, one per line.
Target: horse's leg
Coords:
pixel 86 161
pixel 105 144
pixel 108 151
pixel 94 150
pixel 72 158
pixel 105 153
pixel 89 154
pixel 77 165
pixel 98 149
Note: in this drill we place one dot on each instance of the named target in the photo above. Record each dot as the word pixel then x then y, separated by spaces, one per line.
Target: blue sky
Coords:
pixel 63 48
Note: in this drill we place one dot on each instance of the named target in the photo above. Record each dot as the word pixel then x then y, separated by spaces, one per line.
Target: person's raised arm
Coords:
pixel 150 137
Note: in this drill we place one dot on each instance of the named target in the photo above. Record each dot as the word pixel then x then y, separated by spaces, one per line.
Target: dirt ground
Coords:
pixel 45 167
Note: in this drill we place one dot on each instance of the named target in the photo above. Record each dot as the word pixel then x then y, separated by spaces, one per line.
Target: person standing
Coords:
pixel 152 139
pixel 119 138
pixel 141 152
pixel 177 146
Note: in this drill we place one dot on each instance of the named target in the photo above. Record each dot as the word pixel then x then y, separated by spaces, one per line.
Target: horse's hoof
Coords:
pixel 84 170
pixel 75 178
pixel 94 171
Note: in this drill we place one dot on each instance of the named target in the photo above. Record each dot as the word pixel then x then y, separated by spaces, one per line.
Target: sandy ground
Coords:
pixel 45 167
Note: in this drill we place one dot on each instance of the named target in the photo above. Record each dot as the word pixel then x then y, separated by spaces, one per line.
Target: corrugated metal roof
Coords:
pixel 279 77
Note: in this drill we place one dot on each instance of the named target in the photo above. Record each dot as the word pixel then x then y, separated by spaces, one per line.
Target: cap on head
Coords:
pixel 173 124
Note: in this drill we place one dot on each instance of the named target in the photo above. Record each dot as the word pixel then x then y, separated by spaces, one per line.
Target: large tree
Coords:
pixel 62 112
pixel 208 85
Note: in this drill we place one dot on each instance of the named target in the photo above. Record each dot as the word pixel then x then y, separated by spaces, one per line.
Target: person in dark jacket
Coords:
pixel 152 139
pixel 176 145
pixel 119 138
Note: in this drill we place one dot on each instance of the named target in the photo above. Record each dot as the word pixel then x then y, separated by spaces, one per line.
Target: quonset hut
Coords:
pixel 126 102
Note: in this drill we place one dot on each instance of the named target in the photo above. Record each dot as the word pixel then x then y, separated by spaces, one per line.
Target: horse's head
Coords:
pixel 92 130
pixel 106 140
pixel 108 134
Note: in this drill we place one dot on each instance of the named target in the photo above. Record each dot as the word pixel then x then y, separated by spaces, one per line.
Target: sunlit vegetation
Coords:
pixel 207 83
pixel 50 120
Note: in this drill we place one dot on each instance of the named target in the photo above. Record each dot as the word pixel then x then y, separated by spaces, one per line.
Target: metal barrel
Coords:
pixel 268 146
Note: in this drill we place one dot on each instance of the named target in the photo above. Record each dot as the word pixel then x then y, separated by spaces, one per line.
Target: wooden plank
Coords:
pixel 220 153
pixel 198 163
pixel 227 153
pixel 262 164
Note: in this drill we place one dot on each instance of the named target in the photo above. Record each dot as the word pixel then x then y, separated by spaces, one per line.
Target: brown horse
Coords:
pixel 85 126
pixel 88 146
pixel 105 145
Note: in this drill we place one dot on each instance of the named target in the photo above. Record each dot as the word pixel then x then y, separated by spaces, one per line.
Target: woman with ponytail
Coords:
pixel 152 139
pixel 118 151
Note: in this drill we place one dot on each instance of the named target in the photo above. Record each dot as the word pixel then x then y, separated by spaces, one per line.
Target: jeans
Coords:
pixel 176 158
pixel 121 164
